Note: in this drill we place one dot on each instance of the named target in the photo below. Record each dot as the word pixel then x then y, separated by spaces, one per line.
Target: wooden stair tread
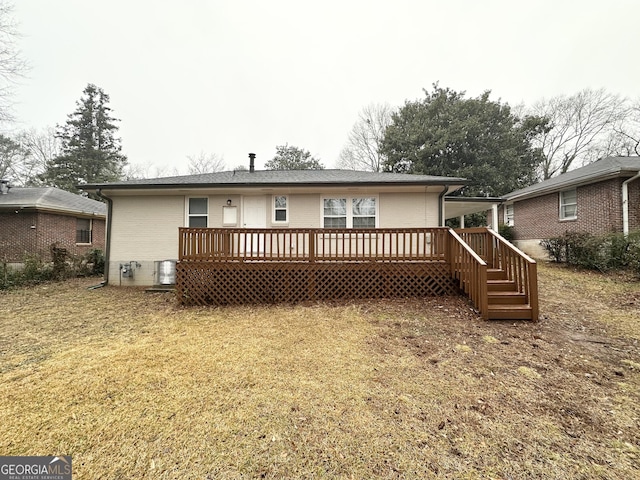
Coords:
pixel 510 312
pixel 500 285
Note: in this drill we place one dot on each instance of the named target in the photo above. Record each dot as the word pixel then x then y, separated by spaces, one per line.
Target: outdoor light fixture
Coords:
pixel 229 202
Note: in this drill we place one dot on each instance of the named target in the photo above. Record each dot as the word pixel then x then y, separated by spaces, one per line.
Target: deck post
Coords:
pixel 312 246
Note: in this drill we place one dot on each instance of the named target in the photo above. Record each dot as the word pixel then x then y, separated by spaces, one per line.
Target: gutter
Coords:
pixel 441 206
pixel 107 233
pixel 625 203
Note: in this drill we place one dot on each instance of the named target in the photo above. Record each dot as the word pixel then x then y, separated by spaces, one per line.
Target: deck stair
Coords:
pixel 511 278
pixel 504 300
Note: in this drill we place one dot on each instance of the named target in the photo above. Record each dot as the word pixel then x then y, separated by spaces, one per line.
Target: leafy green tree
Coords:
pixel 475 138
pixel 293 158
pixel 90 150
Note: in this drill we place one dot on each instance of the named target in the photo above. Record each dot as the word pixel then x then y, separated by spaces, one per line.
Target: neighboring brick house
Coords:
pixel 34 219
pixel 599 198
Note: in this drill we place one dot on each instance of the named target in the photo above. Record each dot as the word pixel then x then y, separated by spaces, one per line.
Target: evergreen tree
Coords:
pixel 476 138
pixel 90 150
pixel 289 157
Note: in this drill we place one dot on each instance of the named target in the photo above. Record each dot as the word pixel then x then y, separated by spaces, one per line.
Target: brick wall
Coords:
pixel 17 237
pixel 599 211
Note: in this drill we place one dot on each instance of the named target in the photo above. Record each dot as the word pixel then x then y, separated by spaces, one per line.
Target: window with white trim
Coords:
pixel 568 205
pixel 280 209
pixel 198 212
pixel 508 215
pixel 363 211
pixel 350 212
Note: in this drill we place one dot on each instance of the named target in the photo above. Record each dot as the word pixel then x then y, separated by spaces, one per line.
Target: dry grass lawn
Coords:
pixel 133 386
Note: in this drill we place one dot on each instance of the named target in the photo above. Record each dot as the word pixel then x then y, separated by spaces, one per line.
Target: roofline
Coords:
pixel 152 186
pixel 38 208
pixel 576 182
pixel 475 199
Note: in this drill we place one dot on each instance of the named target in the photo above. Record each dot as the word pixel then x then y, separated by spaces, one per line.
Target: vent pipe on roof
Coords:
pixel 4 187
pixel 252 162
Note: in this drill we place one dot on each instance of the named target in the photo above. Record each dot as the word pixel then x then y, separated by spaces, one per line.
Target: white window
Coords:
pixel 350 212
pixel 198 212
pixel 335 213
pixel 363 212
pixel 568 205
pixel 508 215
pixel 280 209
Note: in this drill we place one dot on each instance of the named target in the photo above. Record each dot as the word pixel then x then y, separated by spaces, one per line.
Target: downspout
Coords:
pixel 625 203
pixel 107 233
pixel 441 206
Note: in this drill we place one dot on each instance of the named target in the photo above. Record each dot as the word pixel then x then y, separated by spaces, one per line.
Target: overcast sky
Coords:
pixel 237 76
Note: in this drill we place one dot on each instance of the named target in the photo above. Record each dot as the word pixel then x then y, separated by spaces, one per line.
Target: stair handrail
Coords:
pixel 471 272
pixel 524 272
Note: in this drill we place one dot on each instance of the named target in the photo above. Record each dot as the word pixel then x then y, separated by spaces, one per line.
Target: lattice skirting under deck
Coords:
pixel 229 283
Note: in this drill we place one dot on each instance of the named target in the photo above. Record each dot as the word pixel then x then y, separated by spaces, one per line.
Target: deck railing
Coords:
pixel 313 245
pixel 461 257
pixel 470 270
pixel 500 254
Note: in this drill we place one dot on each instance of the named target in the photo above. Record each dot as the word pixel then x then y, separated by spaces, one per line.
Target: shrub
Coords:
pixel 95 258
pixel 613 251
pixel 506 231
pixel 555 248
pixel 633 253
pixel 34 271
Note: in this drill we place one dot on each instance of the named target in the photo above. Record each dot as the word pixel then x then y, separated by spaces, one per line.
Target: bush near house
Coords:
pixel 613 251
pixel 62 266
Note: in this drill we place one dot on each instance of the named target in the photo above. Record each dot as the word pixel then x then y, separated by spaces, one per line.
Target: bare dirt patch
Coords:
pixel 133 386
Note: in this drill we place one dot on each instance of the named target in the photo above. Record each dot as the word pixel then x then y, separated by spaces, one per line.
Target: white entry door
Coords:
pixel 254 215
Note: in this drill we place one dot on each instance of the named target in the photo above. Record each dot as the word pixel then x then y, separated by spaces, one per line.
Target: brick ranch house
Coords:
pixel 34 219
pixel 599 198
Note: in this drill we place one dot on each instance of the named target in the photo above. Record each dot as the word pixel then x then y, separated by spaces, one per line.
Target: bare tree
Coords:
pixel 581 128
pixel 41 147
pixel 12 160
pixel 626 135
pixel 11 64
pixel 138 171
pixel 362 150
pixel 205 163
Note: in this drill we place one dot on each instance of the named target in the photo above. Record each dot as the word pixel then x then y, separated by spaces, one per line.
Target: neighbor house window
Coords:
pixel 280 209
pixel 350 212
pixel 83 230
pixel 508 215
pixel 568 204
pixel 198 212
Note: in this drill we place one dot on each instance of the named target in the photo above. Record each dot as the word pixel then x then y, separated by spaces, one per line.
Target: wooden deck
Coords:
pixel 239 266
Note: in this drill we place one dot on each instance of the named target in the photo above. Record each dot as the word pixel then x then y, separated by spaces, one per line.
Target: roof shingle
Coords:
pixel 51 198
pixel 283 177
